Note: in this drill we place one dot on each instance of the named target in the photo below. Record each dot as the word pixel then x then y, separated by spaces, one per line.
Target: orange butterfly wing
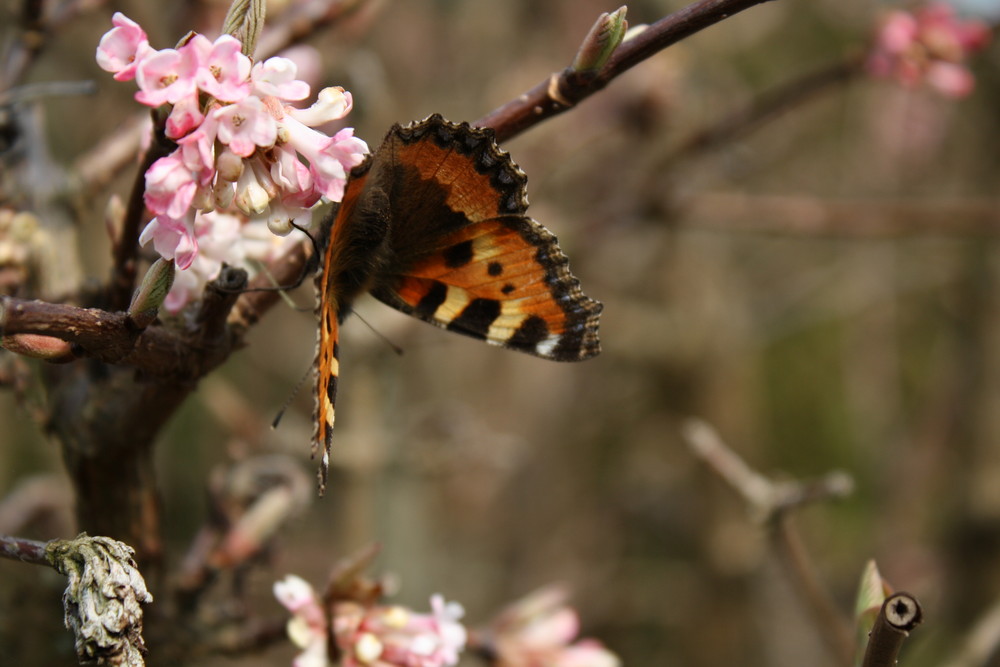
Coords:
pixel 434 224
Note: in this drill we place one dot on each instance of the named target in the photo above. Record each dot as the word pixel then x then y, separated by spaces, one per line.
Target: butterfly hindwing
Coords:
pixel 505 281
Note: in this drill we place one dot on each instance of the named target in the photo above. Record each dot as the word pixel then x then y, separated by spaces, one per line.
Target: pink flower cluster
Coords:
pixel 929 45
pixel 377 636
pixel 243 152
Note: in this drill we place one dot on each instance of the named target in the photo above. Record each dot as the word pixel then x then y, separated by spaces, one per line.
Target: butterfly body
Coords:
pixel 433 224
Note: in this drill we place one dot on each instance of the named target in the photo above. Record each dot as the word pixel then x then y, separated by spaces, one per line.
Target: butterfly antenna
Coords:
pixel 315 244
pixel 288 401
pixel 385 339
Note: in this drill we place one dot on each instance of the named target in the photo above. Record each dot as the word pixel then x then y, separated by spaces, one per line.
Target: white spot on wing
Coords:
pixel 547 346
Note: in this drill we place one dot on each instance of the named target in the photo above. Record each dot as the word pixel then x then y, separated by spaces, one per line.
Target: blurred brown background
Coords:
pixel 822 290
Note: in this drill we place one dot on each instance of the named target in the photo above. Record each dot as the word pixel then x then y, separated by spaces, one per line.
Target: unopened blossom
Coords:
pixel 242 149
pixel 277 77
pixel 541 630
pixel 930 45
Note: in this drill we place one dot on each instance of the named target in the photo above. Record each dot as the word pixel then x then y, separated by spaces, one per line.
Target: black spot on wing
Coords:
pixel 508 288
pixel 533 330
pixel 458 255
pixel 494 268
pixel 476 318
pixel 435 296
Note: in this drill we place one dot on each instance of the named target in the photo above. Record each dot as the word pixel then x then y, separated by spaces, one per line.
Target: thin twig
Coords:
pixel 562 91
pixel 766 107
pixel 26 551
pixel 770 502
pixel 766 499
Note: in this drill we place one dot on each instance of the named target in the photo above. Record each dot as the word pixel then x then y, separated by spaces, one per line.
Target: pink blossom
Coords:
pixel 293 178
pixel 223 69
pixel 387 636
pixel 121 47
pixel 172 238
pixel 329 157
pixel 308 627
pixel 950 79
pixel 197 152
pixel 276 77
pixel 245 125
pixel 220 239
pixel 246 163
pixel 539 630
pixel 170 186
pixel 184 117
pixel 308 63
pixel 167 76
pixel 930 45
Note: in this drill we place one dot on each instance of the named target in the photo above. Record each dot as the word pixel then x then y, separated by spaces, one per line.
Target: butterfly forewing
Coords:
pixel 505 281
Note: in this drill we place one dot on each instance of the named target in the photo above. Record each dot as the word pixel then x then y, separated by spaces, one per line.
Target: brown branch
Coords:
pixel 899 615
pixel 107 420
pixel 116 338
pixel 563 90
pixel 26 551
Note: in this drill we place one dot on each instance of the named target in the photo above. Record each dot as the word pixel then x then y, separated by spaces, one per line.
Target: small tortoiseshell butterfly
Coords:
pixel 433 224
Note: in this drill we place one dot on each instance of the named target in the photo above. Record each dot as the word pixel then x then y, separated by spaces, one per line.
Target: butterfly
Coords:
pixel 433 224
